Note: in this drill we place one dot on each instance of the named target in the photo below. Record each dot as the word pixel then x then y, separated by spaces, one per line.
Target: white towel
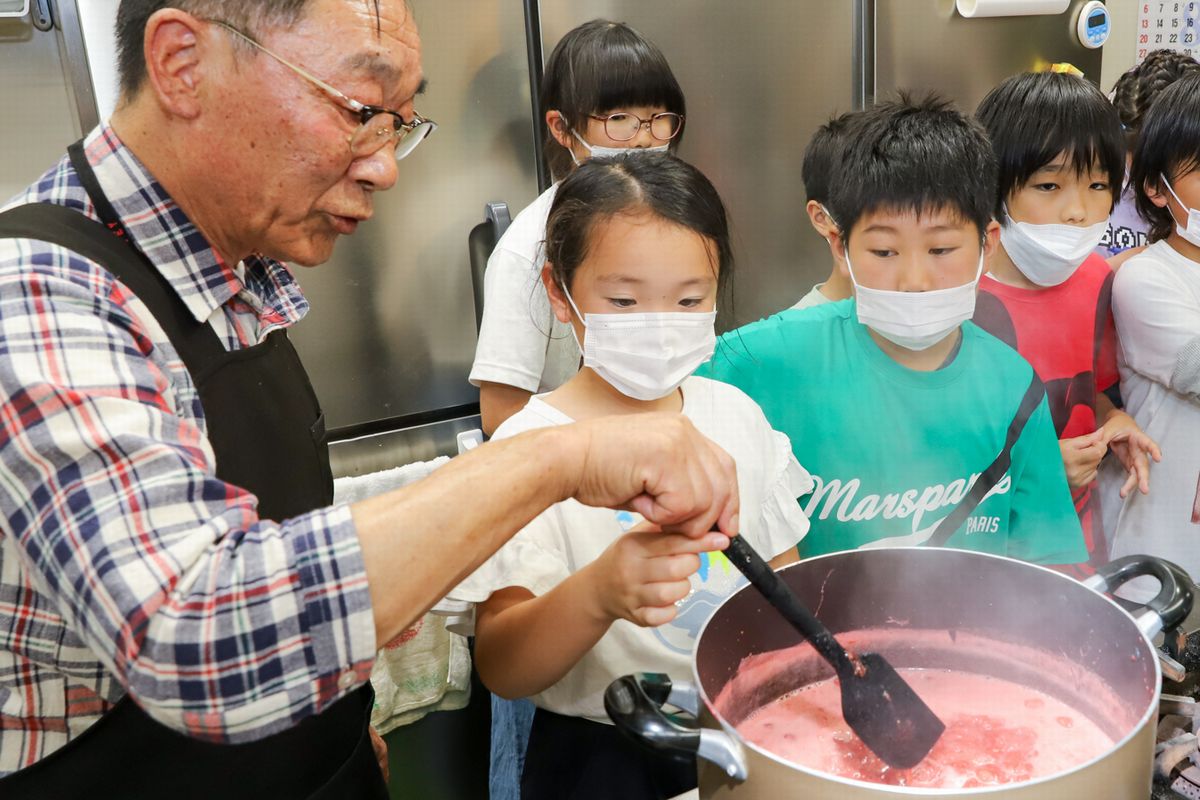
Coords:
pixel 426 668
pixel 360 487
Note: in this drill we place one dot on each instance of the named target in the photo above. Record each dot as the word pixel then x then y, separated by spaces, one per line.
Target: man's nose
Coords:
pixel 376 172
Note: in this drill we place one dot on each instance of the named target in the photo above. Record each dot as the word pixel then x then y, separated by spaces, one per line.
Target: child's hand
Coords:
pixel 1081 456
pixel 643 574
pixel 1134 448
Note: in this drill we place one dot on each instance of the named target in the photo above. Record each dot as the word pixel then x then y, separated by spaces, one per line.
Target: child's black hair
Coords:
pixel 1034 117
pixel 921 156
pixel 1169 144
pixel 822 157
pixel 601 66
pixel 1138 87
pixel 657 183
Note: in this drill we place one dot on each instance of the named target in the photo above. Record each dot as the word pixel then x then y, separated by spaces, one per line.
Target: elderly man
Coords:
pixel 184 613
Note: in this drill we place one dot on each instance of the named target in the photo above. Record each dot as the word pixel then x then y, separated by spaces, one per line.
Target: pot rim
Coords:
pixel 1149 713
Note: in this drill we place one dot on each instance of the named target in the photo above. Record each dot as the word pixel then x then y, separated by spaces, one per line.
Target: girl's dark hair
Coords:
pixel 1033 117
pixel 598 67
pixel 1136 90
pixel 920 156
pixel 655 183
pixel 1169 144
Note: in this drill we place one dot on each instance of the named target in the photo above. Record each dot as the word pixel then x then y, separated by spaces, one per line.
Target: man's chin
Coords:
pixel 313 252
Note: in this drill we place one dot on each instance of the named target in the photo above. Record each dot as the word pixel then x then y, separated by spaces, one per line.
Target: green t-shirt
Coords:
pixel 893 450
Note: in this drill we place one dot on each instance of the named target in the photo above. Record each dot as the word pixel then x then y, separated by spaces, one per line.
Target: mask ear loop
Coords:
pixel 586 146
pixel 582 321
pixel 1182 205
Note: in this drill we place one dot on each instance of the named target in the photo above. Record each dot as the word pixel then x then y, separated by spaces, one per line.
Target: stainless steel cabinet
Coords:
pixel 925 44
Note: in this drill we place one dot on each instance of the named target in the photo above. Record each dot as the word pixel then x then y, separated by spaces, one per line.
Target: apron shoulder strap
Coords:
pixel 995 471
pixel 196 343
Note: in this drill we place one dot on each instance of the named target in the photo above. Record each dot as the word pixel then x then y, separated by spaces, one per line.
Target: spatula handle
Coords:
pixel 777 593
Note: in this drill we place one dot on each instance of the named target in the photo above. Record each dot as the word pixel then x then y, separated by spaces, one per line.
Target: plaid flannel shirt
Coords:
pixel 125 564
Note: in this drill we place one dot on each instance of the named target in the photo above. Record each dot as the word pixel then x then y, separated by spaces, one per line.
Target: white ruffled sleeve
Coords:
pixel 531 560
pixel 781 523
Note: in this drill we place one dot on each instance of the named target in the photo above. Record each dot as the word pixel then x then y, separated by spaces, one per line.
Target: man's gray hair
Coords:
pixel 248 16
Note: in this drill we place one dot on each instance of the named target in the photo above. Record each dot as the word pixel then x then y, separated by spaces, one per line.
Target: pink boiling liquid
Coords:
pixel 997 732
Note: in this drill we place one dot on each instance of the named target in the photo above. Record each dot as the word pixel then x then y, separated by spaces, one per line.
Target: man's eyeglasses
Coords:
pixel 622 126
pixel 377 126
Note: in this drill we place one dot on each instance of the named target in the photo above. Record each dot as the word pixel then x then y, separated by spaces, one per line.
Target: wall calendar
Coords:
pixel 1171 25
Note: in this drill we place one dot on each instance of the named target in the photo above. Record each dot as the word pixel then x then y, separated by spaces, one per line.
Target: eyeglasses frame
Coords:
pixel 647 123
pixel 365 111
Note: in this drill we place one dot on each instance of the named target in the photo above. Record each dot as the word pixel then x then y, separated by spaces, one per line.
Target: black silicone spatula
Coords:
pixel 877 703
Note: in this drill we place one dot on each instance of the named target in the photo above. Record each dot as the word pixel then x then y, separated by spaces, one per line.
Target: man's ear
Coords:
pixel 559 129
pixel 174 49
pixel 558 300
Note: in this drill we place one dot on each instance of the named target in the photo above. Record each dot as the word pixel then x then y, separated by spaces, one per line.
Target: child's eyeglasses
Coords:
pixel 623 126
pixel 377 126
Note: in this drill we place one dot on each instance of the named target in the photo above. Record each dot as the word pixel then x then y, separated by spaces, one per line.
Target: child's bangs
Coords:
pixel 628 75
pixel 1083 149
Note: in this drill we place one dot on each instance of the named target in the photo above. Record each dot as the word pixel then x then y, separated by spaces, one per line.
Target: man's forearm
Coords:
pixel 420 541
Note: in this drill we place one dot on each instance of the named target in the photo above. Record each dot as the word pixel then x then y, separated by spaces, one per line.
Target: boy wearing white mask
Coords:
pixel 917 427
pixel 1060 153
pixel 1156 302
pixel 636 248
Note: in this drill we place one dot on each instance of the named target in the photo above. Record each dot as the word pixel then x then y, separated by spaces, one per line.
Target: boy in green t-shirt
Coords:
pixel 893 400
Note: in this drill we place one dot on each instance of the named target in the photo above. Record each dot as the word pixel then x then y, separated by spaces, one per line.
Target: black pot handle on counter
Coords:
pixel 635 705
pixel 1165 612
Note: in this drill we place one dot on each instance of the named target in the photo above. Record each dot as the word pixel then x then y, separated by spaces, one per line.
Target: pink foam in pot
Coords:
pixel 997 732
pixel 1013 712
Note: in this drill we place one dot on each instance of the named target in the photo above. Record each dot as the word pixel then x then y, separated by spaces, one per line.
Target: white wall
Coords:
pixel 35 106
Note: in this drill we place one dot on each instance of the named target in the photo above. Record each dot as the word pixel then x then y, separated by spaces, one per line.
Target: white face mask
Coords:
pixel 646 356
pixel 1049 254
pixel 915 320
pixel 600 151
pixel 1192 232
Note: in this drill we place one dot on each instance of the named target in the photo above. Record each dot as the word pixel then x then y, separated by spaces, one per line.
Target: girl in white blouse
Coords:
pixel 636 250
pixel 1156 305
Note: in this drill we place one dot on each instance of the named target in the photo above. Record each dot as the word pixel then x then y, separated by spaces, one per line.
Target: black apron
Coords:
pixel 268 434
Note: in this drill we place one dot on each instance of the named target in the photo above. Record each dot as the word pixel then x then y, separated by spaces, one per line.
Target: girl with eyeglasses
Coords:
pixel 637 250
pixel 606 90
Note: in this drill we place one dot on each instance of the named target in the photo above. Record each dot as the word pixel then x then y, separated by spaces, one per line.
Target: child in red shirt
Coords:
pixel 1061 155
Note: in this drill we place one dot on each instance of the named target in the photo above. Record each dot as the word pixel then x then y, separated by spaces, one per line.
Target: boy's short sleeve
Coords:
pixel 1044 527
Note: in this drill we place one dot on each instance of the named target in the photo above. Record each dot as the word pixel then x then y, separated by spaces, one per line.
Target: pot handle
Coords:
pixel 634 704
pixel 1169 607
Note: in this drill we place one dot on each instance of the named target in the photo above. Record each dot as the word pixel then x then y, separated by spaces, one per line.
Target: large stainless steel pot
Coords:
pixel 932 608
